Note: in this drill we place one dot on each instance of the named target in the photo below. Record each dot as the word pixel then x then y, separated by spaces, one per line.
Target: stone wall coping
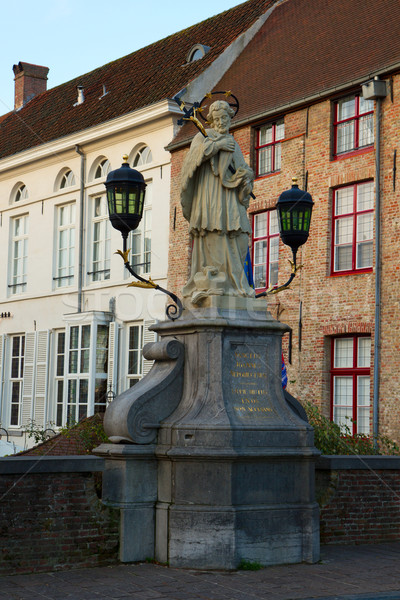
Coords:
pixel 50 464
pixel 357 462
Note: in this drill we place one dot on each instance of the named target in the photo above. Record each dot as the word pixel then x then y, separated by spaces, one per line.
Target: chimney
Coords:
pixel 30 80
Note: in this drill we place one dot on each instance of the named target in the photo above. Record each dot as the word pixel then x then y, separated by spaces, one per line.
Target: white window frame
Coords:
pixel 100 247
pixel 140 238
pixel 19 254
pixel 16 381
pixel 102 169
pixel 133 376
pixel 87 374
pixel 65 274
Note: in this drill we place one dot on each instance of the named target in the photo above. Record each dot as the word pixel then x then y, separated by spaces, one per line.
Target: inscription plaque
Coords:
pixel 249 383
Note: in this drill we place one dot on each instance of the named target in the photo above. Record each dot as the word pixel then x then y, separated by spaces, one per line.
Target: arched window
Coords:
pixel 67 180
pixel 142 157
pixel 21 193
pixel 103 169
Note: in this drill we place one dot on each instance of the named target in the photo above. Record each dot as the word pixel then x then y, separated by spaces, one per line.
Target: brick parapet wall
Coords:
pixel 359 499
pixel 51 517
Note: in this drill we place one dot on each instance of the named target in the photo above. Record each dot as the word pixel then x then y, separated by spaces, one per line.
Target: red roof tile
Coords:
pixel 308 47
pixel 145 77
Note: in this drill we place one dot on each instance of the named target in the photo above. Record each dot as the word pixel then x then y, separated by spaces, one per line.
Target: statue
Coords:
pixel 215 188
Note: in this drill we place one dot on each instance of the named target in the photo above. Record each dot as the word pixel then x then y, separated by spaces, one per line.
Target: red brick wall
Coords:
pixel 330 304
pixel 53 521
pixel 359 506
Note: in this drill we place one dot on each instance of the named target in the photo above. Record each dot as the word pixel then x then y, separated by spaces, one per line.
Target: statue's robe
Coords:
pixel 214 201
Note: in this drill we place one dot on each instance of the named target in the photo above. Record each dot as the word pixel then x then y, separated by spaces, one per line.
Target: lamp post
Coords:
pixel 125 198
pixel 294 209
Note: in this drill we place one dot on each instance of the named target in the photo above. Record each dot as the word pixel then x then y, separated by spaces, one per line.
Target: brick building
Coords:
pixel 303 113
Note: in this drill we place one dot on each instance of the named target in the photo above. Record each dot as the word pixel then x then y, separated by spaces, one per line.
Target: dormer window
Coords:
pixel 67 180
pixel 197 52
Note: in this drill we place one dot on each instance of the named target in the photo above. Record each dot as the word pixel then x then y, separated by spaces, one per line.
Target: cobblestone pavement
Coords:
pixel 370 572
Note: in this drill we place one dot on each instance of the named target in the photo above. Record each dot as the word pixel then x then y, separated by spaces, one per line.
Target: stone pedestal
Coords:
pixel 130 484
pixel 229 473
pixel 236 464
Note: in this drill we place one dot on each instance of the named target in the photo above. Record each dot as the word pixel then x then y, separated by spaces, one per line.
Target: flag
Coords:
pixel 284 374
pixel 248 269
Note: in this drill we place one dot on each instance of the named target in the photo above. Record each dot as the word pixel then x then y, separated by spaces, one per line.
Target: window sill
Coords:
pixel 267 175
pixel 352 153
pixel 347 273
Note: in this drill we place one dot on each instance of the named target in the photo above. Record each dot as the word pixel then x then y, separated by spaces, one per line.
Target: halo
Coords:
pixel 204 105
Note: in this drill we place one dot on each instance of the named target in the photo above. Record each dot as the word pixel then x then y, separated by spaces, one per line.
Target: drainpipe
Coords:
pixel 376 90
pixel 81 227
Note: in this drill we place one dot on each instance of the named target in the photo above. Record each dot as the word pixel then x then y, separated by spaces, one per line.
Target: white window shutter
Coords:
pixel 29 365
pixel 148 336
pixel 112 372
pixel 40 389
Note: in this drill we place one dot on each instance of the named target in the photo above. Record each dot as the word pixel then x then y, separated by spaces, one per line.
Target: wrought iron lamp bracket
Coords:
pixel 173 311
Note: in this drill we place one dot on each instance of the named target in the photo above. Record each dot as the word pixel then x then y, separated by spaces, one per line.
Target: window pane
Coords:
pixel 344 201
pixel 274 249
pixel 364 255
pixel 74 337
pixel 343 401
pixel 279 130
pixel 260 224
pixel 265 160
pixel 345 137
pixel 366 105
pixel 265 135
pixel 86 336
pixel 260 252
pixel 363 389
pixel 365 196
pixel 260 276
pixel 273 274
pixel 346 108
pixel 363 405
pixel 343 353
pixel 344 230
pixel 366 131
pixel 273 222
pixel 278 156
pixel 100 395
pixel 364 352
pixel 364 227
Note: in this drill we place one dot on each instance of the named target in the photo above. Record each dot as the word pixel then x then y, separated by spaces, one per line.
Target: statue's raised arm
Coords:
pixel 215 190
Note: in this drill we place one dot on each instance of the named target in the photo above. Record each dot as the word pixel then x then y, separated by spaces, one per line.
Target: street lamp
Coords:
pixel 125 198
pixel 294 209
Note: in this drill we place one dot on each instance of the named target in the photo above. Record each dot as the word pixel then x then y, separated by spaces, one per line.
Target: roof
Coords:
pixel 135 81
pixel 79 439
pixel 308 48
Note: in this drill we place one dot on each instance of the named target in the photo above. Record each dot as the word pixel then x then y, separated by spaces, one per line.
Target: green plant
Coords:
pixel 246 565
pixel 329 438
pixel 88 433
pixel 38 433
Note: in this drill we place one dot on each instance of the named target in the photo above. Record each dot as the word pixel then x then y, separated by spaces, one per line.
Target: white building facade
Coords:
pixel 72 330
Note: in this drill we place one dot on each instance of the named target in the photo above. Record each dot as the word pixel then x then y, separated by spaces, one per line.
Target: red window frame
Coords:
pixel 355 214
pixel 353 372
pixel 272 144
pixel 267 237
pixel 356 119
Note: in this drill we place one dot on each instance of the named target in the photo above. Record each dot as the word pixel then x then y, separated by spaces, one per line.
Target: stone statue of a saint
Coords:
pixel 215 188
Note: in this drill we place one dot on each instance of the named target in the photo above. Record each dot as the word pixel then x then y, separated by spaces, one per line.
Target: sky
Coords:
pixel 73 37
